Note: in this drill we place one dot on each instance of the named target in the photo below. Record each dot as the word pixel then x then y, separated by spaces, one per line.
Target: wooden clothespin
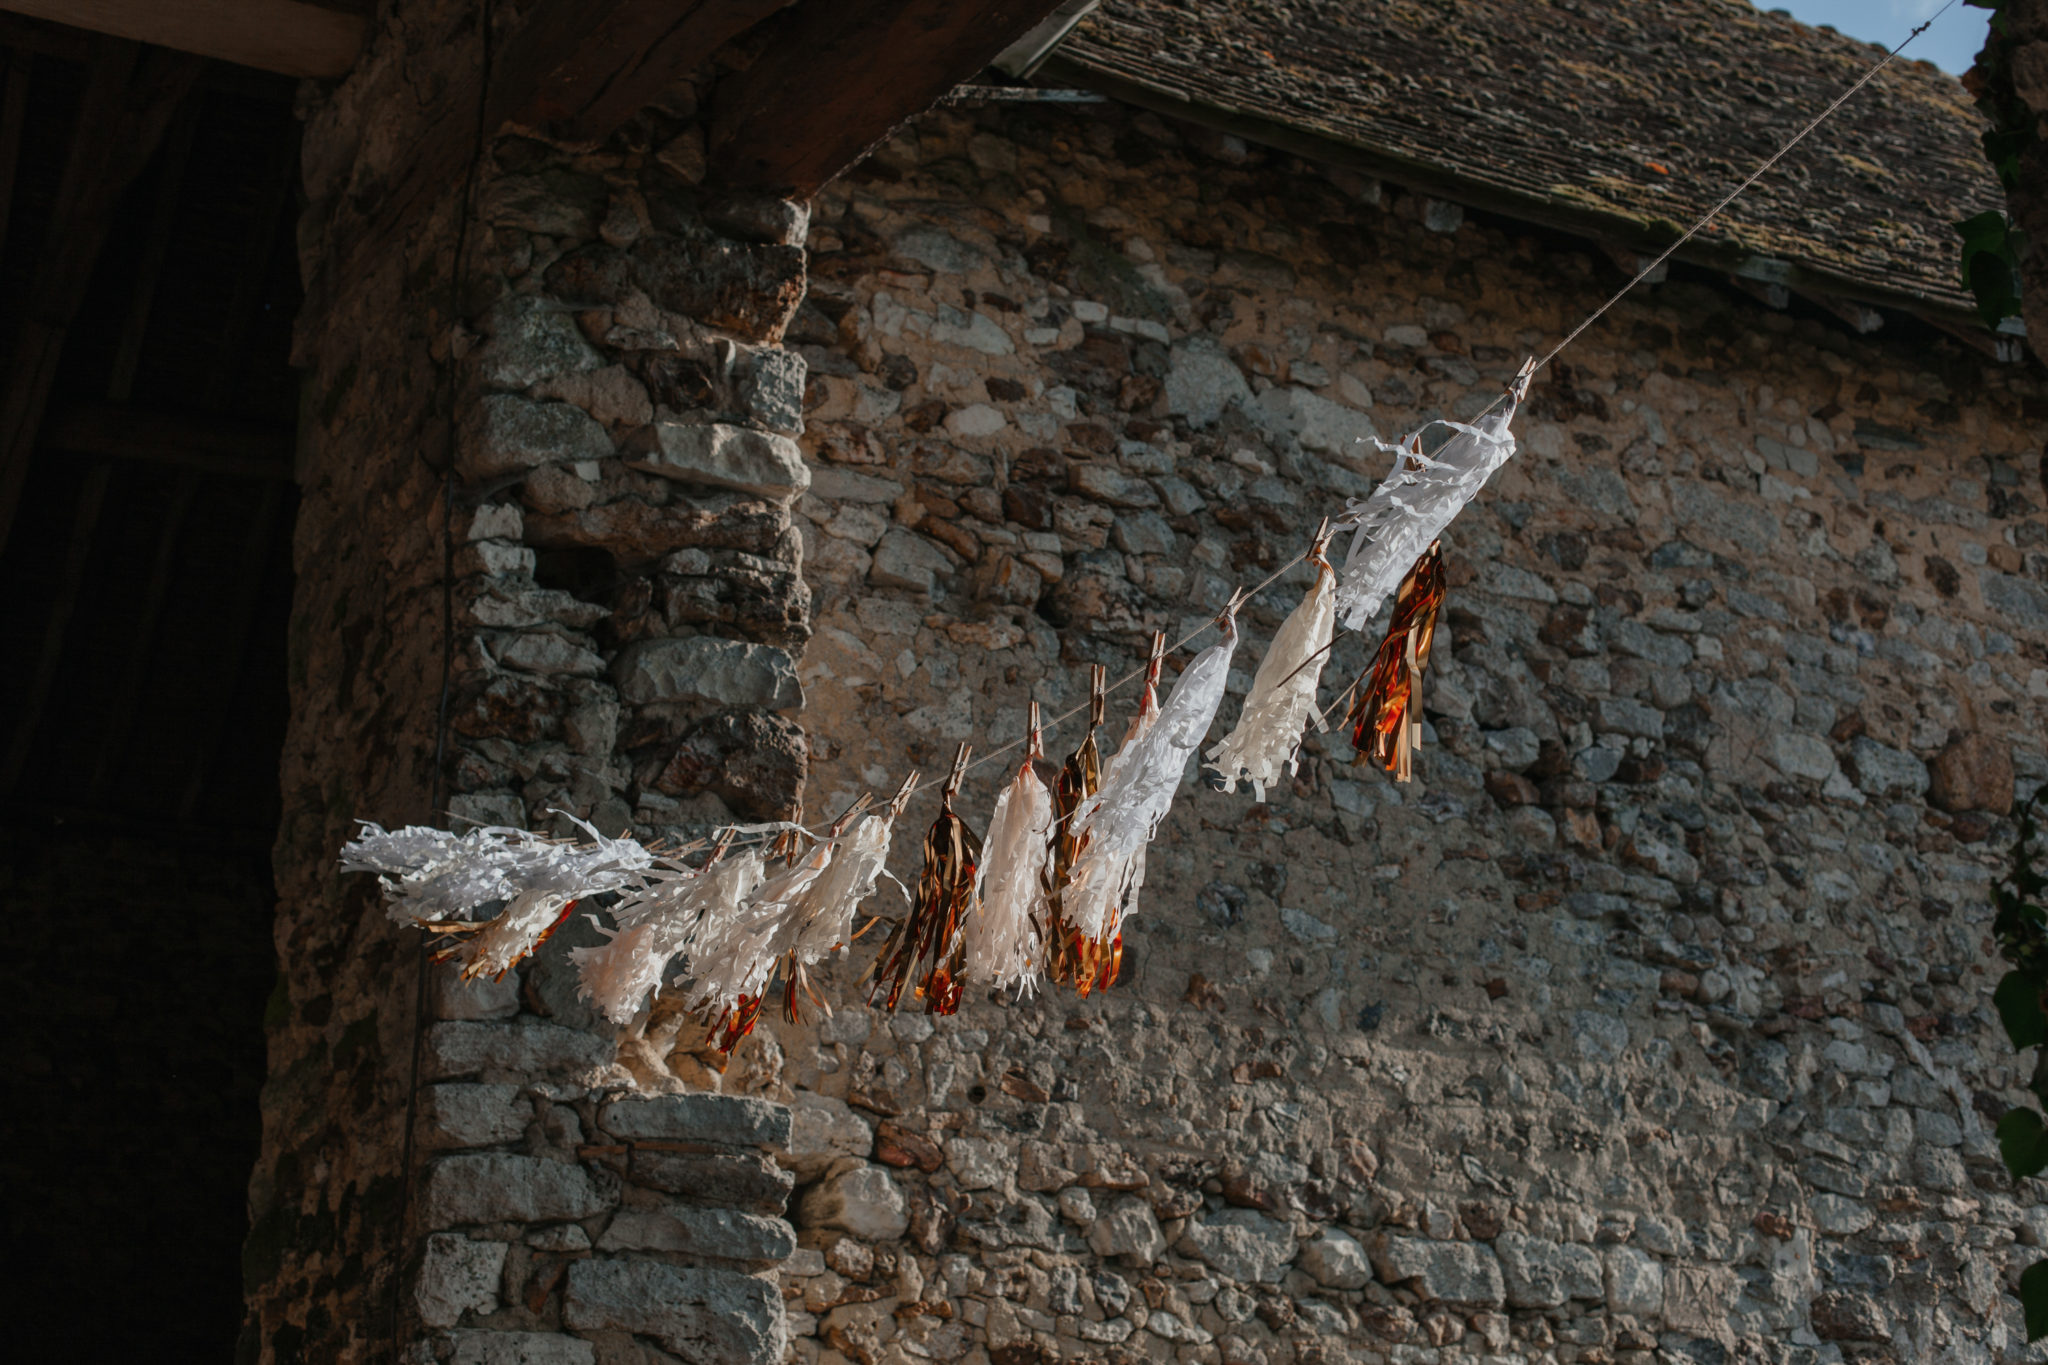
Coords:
pixel 1321 543
pixel 1156 659
pixel 959 772
pixel 902 797
pixel 1518 387
pixel 1098 694
pixel 1226 620
pixel 860 803
pixel 1034 744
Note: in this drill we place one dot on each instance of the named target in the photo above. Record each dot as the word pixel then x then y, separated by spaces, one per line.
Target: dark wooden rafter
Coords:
pixel 286 36
pixel 177 154
pixel 578 72
pixel 838 77
pixel 212 445
pixel 575 69
pixel 130 96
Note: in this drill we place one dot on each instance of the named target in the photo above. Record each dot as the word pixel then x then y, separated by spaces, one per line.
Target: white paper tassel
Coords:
pixel 508 938
pixel 1417 501
pixel 730 955
pixel 656 924
pixel 1283 694
pixel 431 877
pixel 1138 790
pixel 821 919
pixel 1001 940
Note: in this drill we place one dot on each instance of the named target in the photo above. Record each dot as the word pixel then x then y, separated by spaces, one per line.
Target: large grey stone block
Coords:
pixel 704 668
pixel 699 1314
pixel 1465 1273
pixel 473 1115
pixel 905 559
pixel 457 1276
pixel 1884 771
pixel 498 1187
pixel 744 1180
pixel 480 997
pixel 1202 381
pixel 1127 1228
pixel 1336 1260
pixel 723 456
pixel 507 434
pixel 700 1232
pixel 738 1120
pixel 861 1199
pixel 1244 1244
pixel 519 1348
pixel 1540 1273
pixel 1635 1282
pixel 530 339
pixel 527 1048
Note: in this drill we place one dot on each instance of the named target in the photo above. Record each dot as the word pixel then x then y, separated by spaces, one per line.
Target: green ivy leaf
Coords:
pixel 2018 998
pixel 2034 1299
pixel 1991 268
pixel 2019 1142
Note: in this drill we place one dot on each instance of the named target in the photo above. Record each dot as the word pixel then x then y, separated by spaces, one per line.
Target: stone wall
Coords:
pixel 1651 1018
pixel 549 431
pixel 1651 1021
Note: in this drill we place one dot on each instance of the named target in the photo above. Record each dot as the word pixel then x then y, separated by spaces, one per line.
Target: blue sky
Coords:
pixel 1951 44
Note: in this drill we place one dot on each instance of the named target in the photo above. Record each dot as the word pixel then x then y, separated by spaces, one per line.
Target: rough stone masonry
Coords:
pixel 1650 1023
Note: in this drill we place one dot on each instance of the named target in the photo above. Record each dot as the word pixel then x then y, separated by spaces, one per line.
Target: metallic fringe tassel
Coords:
pixel 1069 960
pixel 1386 720
pixel 927 944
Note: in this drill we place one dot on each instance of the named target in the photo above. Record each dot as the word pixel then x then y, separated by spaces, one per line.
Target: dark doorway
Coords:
pixel 146 577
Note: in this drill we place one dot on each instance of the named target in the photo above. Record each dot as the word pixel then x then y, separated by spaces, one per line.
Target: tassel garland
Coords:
pixel 925 952
pixel 1065 859
pixel 1385 720
pixel 1283 694
pixel 1001 940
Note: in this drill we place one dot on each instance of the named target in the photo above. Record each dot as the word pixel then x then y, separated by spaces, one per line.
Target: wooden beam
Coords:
pixel 284 36
pixel 578 69
pixel 840 75
pixel 211 445
pixel 155 248
pixel 130 96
